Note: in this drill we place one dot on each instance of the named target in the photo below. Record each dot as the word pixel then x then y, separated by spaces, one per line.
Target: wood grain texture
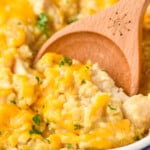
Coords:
pixel 112 38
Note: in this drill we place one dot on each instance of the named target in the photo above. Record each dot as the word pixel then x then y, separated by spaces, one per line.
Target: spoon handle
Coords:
pixel 125 29
pixel 135 5
pixel 123 25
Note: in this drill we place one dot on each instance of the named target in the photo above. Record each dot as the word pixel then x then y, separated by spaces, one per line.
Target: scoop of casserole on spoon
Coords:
pixel 111 38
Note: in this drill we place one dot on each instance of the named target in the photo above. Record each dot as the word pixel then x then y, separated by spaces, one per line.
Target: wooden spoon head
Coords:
pixel 111 38
pixel 97 48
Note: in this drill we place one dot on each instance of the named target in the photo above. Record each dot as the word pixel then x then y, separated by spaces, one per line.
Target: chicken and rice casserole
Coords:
pixel 59 103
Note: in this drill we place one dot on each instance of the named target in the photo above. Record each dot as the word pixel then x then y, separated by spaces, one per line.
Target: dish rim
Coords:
pixel 143 144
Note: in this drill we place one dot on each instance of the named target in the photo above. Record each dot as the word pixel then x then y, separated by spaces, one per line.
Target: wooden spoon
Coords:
pixel 111 38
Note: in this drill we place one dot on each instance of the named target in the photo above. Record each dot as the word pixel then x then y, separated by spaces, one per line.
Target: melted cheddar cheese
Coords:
pixel 16 9
pixel 57 103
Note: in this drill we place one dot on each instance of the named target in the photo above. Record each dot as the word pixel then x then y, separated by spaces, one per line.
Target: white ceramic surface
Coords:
pixel 143 144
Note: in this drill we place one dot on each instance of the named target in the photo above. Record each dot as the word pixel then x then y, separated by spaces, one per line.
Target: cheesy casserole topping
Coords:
pixel 59 103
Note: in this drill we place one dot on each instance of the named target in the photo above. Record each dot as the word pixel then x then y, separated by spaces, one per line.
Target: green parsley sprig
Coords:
pixel 64 61
pixel 37 119
pixel 13 101
pixel 71 20
pixel 77 126
pixel 83 81
pixel 69 145
pixel 42 23
pixel 111 107
pixel 34 130
pixel 37 78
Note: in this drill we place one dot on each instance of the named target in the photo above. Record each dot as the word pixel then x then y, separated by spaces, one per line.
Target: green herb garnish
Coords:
pixel 87 68
pixel 38 79
pixel 111 107
pixel 34 131
pixel 71 20
pixel 37 119
pixel 69 145
pixel 83 81
pixel 64 61
pixel 77 126
pixel 42 23
pixel 137 138
pixel 140 136
pixel 48 141
pixel 13 102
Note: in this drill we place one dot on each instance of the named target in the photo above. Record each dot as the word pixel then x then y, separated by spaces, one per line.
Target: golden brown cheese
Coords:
pixel 16 9
pixel 14 125
pixel 58 103
pixel 79 119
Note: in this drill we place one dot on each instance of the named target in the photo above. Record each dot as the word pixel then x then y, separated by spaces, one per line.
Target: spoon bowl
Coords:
pixel 111 38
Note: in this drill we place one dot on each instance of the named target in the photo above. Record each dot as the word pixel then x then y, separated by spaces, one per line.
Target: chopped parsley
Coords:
pixel 34 131
pixel 140 136
pixel 37 78
pixel 64 61
pixel 71 20
pixel 42 23
pixel 13 101
pixel 111 107
pixel 37 119
pixel 137 138
pixel 69 145
pixel 77 126
pixel 48 141
pixel 83 81
pixel 87 68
